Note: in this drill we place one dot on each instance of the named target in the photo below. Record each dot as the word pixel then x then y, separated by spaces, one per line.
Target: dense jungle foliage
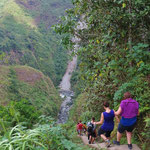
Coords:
pixel 27 39
pixel 44 135
pixel 114 56
pixel 28 98
pixel 22 82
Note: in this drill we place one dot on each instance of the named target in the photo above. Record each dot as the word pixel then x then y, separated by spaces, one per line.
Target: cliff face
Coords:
pixel 22 82
pixel 26 37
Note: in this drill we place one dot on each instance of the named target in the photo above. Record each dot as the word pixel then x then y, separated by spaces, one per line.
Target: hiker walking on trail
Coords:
pixel 80 128
pixel 91 131
pixel 129 109
pixel 84 128
pixel 107 121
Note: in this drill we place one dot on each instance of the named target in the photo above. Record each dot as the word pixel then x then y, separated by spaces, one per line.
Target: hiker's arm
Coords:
pixel 117 118
pixel 138 113
pixel 101 120
pixel 118 112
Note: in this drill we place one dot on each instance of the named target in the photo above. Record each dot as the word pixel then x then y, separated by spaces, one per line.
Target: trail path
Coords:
pixel 99 146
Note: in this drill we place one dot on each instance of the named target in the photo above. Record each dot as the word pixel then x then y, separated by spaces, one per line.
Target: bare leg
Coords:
pixel 108 138
pixel 129 135
pixel 107 141
pixel 103 137
pixel 90 139
pixel 119 135
pixel 93 139
pixel 80 132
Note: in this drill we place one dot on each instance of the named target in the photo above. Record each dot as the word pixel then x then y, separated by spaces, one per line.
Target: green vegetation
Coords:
pixel 16 112
pixel 28 101
pixel 28 97
pixel 44 136
pixel 114 54
pixel 26 37
pixel 113 58
pixel 22 82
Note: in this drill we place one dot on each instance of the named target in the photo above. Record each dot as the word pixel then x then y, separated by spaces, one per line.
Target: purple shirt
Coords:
pixel 129 108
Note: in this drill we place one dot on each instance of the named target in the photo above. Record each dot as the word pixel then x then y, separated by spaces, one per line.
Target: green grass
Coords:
pixel 22 82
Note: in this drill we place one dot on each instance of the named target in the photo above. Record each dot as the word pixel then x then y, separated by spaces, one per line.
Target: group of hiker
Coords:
pixel 128 110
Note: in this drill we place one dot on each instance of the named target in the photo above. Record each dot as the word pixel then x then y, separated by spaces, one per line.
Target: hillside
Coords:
pixel 26 37
pixel 22 82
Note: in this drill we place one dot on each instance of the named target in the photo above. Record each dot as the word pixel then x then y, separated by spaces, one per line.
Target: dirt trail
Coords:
pixel 100 146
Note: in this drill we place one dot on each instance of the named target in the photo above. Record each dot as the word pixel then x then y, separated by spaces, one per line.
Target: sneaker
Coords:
pixel 108 143
pixel 130 146
pixel 116 142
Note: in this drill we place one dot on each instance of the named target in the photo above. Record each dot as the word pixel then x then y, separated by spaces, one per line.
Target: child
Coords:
pixel 84 128
pixel 80 128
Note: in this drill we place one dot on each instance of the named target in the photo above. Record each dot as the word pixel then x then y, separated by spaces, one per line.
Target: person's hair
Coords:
pixel 80 121
pixel 106 104
pixel 93 118
pixel 127 95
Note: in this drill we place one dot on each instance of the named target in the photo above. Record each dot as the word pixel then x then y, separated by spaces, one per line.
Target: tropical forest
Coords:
pixel 66 64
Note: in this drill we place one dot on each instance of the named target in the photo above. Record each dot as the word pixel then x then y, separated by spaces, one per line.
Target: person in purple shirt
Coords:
pixel 129 109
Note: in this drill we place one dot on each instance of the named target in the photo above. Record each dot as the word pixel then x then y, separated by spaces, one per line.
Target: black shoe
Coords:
pixel 130 146
pixel 116 142
pixel 89 142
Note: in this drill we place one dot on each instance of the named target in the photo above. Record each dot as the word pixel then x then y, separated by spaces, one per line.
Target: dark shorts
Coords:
pixel 107 133
pixel 122 128
pixel 93 134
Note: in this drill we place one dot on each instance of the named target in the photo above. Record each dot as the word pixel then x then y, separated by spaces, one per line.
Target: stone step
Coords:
pixel 100 146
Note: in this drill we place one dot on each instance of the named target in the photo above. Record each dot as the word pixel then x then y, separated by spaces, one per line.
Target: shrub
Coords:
pixel 43 137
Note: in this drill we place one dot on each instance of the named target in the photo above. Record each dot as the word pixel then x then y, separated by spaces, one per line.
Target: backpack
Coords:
pixel 90 127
